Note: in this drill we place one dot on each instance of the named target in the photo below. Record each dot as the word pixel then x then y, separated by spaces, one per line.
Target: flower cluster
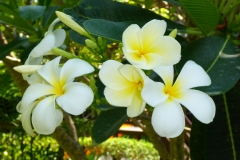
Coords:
pixel 53 91
pixel 128 86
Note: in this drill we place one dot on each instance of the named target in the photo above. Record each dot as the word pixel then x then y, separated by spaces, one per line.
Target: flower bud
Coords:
pixel 173 34
pixel 91 44
pixel 27 69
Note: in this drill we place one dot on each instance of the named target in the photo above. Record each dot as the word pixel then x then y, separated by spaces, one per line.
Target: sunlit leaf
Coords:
pixel 203 13
pixel 9 16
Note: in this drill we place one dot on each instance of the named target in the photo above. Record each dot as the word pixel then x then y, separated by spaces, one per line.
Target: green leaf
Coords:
pixel 107 29
pixel 108 123
pixel 31 12
pixel 10 17
pixel 115 12
pixel 220 139
pixel 6 49
pixel 203 13
pixel 49 15
pixel 219 57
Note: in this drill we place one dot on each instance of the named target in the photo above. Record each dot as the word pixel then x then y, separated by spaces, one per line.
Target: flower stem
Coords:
pixel 63 53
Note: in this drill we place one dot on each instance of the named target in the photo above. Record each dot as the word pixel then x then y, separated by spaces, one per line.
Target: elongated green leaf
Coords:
pixel 108 123
pixel 31 12
pixel 6 49
pixel 219 57
pixel 220 139
pixel 203 13
pixel 10 17
pixel 49 15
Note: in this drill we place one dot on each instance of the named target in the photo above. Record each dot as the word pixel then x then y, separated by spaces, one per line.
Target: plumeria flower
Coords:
pixel 53 90
pixel 168 117
pixel 147 47
pixel 52 39
pixel 124 85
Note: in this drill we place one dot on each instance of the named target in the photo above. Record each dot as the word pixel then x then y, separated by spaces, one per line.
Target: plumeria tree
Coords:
pixel 170 67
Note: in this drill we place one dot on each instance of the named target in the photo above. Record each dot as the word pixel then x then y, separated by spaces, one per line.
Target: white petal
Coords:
pixel 27 69
pixel 19 107
pixel 166 73
pixel 168 119
pixel 50 72
pixel 50 28
pixel 130 39
pixel 36 91
pixel 33 60
pixel 44 116
pixel 45 45
pixel 58 117
pixel 121 98
pixel 60 36
pixel 137 106
pixel 199 104
pixel 74 68
pixel 131 73
pixel 153 60
pixel 26 122
pixel 110 76
pixel 153 92
pixel 35 78
pixel 168 48
pixel 150 32
pixel 135 59
pixel 76 98
pixel 192 75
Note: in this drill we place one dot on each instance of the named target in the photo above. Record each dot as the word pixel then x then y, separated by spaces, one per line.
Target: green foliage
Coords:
pixel 219 57
pixel 20 146
pixel 9 16
pixel 108 123
pixel 119 148
pixel 110 12
pixel 31 12
pixel 222 135
pixel 203 13
pixel 6 49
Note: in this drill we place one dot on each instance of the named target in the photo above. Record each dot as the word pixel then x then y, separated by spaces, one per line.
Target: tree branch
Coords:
pixel 71 126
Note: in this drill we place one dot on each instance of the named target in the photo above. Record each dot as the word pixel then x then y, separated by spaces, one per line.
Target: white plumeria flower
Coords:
pixel 124 85
pixel 168 117
pixel 45 101
pixel 147 47
pixel 52 39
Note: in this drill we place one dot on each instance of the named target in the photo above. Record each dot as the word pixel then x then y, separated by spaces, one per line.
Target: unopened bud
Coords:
pixel 66 19
pixel 173 34
pixel 91 44
pixel 27 69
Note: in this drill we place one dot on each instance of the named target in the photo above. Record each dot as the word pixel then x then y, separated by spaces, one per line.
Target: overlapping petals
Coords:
pixel 147 47
pixel 124 84
pixel 52 90
pixel 167 118
pixel 51 40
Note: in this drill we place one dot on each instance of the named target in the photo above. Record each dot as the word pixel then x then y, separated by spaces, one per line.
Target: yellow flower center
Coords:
pixel 172 92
